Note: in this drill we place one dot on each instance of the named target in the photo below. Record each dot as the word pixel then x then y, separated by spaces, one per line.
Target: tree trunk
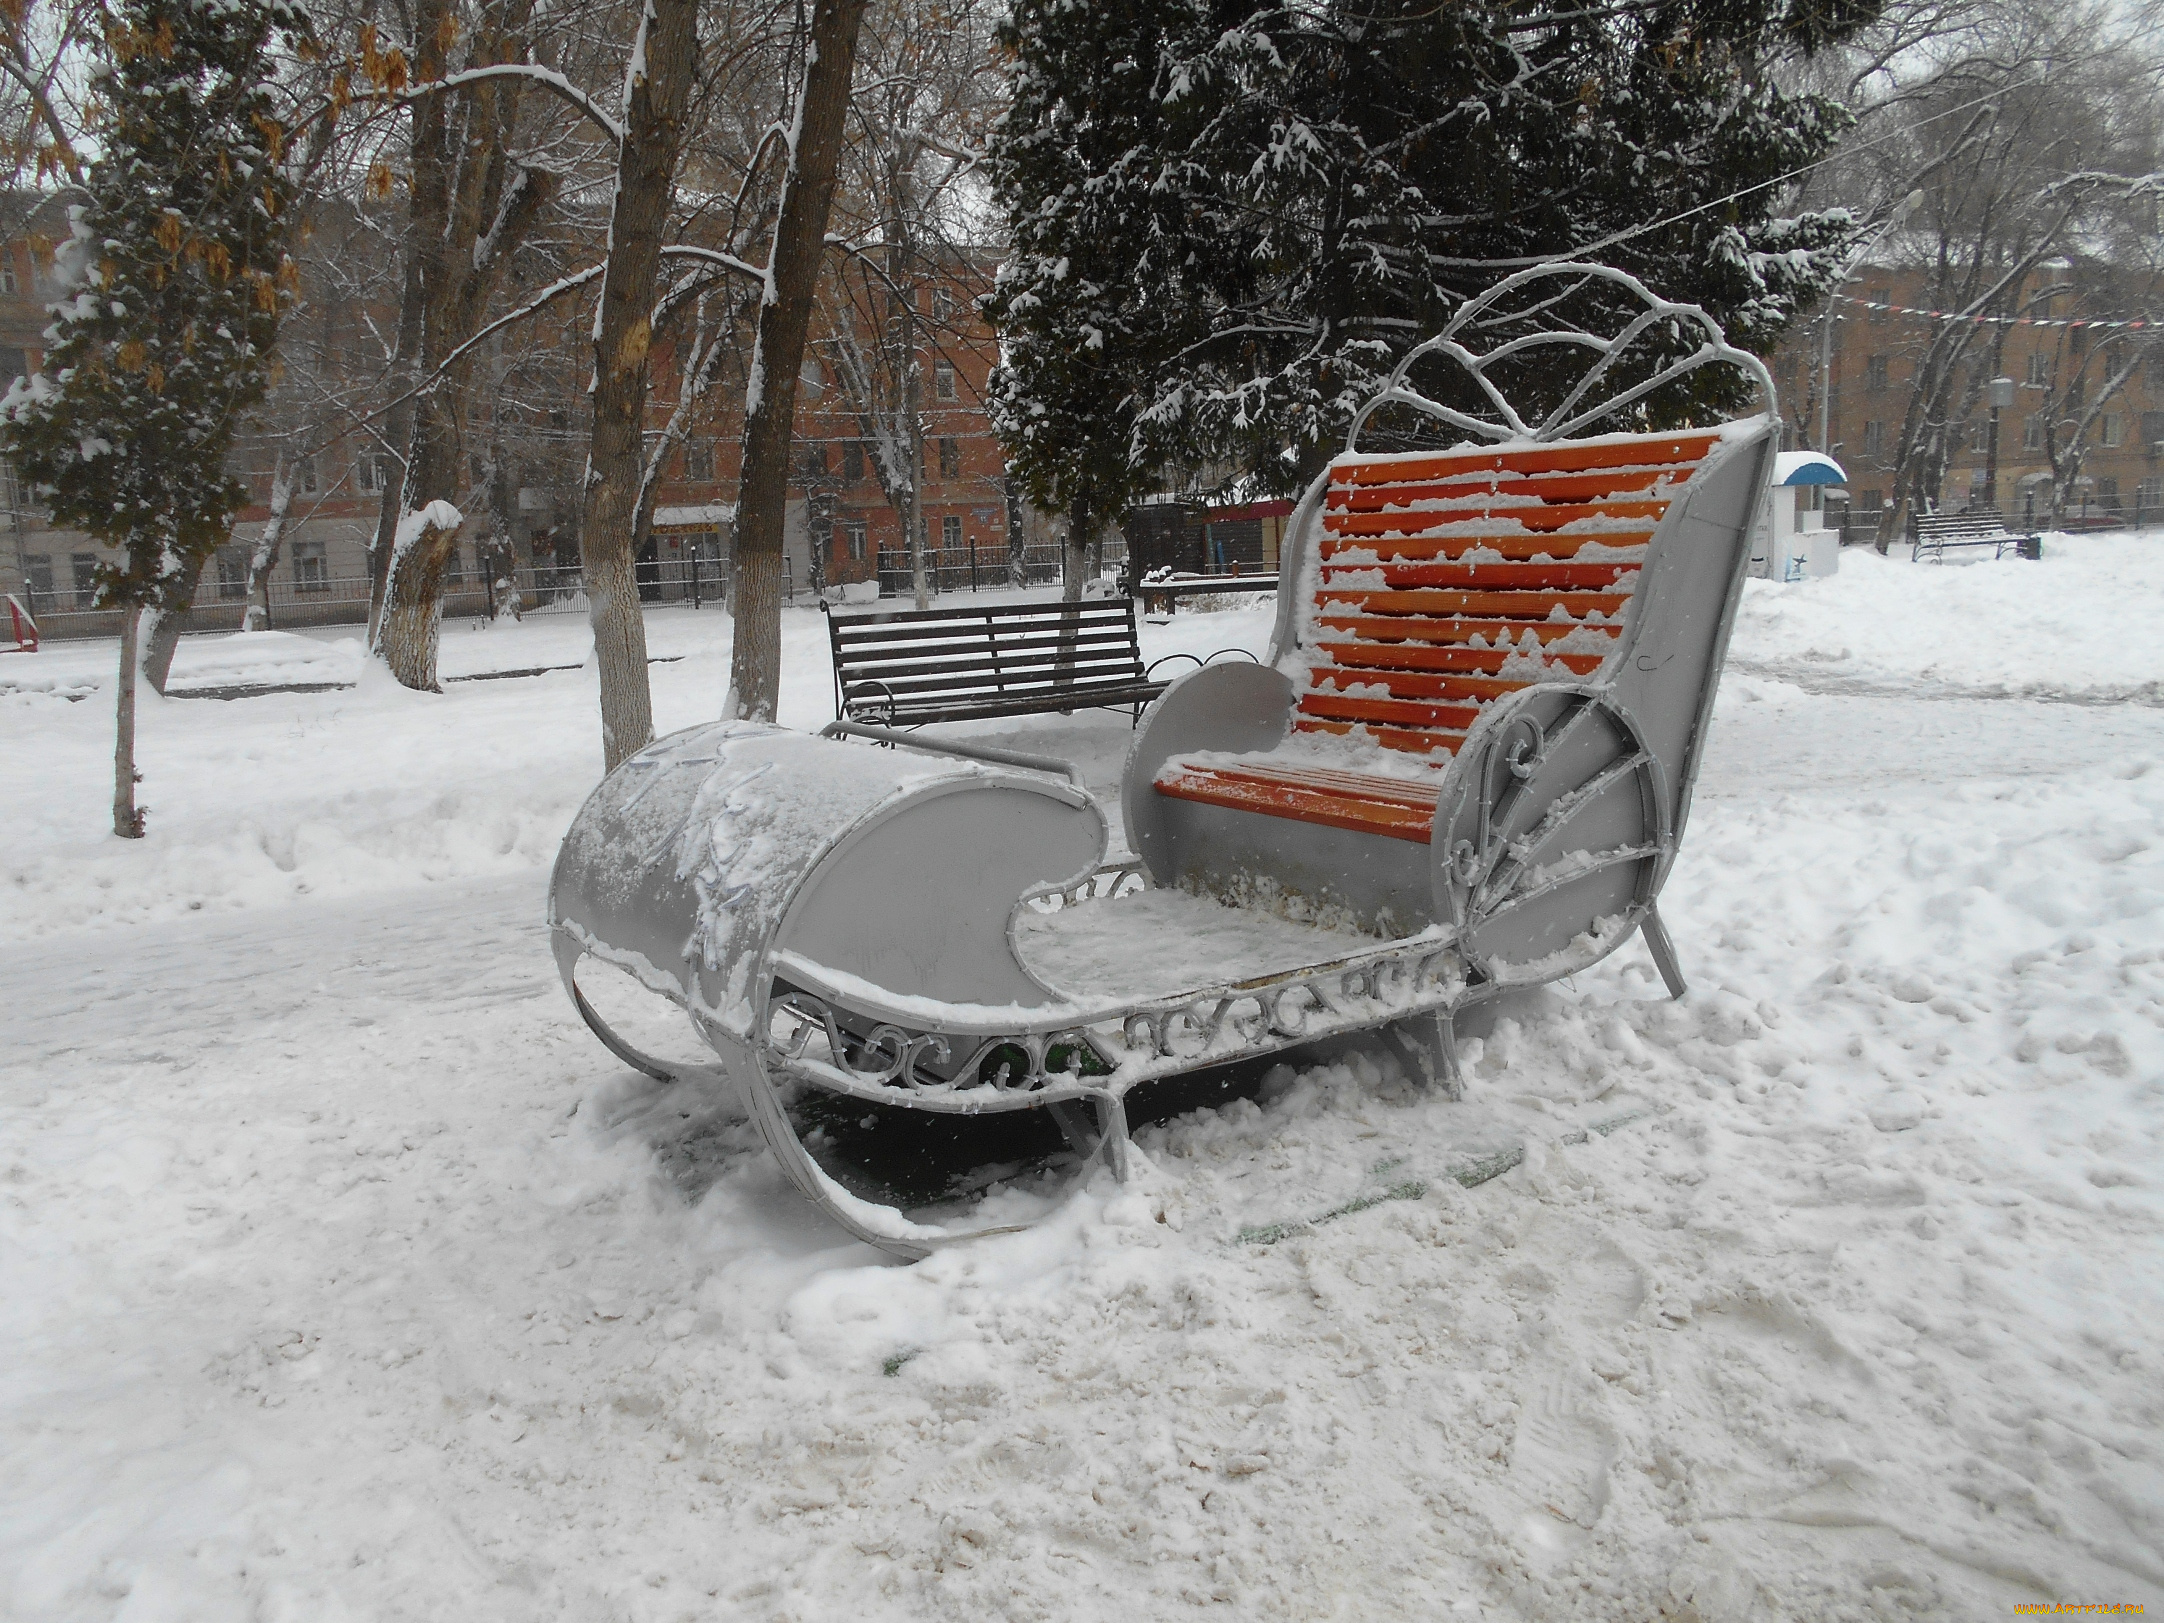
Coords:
pixel 165 626
pixel 919 542
pixel 256 617
pixel 667 47
pixel 1017 545
pixel 1074 567
pixel 127 820
pixel 413 597
pixel 472 204
pixel 397 430
pixel 1079 525
pixel 913 421
pixel 778 352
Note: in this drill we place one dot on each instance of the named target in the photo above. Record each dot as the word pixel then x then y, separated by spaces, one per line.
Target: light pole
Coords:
pixel 1902 210
pixel 2002 396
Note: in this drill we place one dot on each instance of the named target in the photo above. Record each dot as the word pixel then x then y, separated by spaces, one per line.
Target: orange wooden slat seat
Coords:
pixel 1365 803
pixel 1442 583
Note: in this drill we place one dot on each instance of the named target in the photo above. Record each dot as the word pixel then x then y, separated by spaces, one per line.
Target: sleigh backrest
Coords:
pixel 1439 583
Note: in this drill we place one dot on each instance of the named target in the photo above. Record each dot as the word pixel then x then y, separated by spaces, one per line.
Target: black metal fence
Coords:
pixel 692 580
pixel 971 568
pixel 1860 527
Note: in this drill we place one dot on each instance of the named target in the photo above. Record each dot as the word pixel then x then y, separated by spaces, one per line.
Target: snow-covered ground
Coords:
pixel 342 1275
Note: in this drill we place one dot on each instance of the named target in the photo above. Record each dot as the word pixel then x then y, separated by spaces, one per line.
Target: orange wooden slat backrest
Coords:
pixel 1446 581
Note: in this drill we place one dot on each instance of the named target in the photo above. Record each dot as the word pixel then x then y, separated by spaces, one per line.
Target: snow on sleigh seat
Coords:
pixel 1446 582
pixel 1465 766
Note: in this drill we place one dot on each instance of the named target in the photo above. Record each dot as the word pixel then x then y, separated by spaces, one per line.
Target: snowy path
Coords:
pixel 344 1276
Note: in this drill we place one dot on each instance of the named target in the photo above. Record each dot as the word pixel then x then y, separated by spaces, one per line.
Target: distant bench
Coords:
pixel 907 667
pixel 1931 534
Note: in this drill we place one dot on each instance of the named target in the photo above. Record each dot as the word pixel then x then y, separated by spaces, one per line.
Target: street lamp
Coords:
pixel 1902 210
pixel 2002 396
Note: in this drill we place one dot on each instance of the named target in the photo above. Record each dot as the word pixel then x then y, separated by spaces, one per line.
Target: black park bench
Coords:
pixel 1931 534
pixel 907 667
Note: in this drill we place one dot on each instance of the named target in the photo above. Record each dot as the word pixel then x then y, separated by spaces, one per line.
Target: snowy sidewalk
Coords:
pixel 347 1277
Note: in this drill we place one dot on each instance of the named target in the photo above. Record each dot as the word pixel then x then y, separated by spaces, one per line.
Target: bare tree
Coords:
pixel 476 191
pixel 656 87
pixel 813 156
pixel 2014 124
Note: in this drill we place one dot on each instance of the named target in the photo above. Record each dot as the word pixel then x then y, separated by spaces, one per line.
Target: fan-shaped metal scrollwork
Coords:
pixel 1518 321
pixel 1554 839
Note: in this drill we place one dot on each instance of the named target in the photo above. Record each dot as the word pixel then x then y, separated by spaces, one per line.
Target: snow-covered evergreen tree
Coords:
pixel 1230 220
pixel 162 340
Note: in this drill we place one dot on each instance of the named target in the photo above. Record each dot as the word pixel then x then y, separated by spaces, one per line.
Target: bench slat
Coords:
pixel 1416 684
pixel 1417 742
pixel 1428 656
pixel 1561 548
pixel 1538 519
pixel 1497 605
pixel 1566 456
pixel 1363 810
pixel 1395 712
pixel 1409 628
pixel 1505 577
pixel 1565 487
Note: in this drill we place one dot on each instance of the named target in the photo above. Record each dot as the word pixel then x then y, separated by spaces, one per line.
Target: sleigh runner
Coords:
pixel 1464 767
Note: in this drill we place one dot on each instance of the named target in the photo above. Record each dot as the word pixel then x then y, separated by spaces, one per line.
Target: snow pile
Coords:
pixel 2058 627
pixel 347 1276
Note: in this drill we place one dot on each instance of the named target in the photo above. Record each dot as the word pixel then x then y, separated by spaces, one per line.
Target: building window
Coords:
pixel 942 306
pixel 1980 436
pixel 943 381
pixel 2152 429
pixel 852 460
pixel 2039 368
pixel 375 471
pixel 2112 427
pixel 1869 501
pixel 699 461
pixel 38 576
pixel 1881 297
pixel 9 283
pixel 2032 433
pixel 232 573
pixel 1874 437
pixel 1874 372
pixel 950 535
pixel 2107 494
pixel 2148 496
pixel 85 568
pixel 815 459
pixel 311 573
pixel 854 534
pixel 950 457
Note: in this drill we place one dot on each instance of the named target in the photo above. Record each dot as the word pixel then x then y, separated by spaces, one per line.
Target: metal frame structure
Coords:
pixel 843 919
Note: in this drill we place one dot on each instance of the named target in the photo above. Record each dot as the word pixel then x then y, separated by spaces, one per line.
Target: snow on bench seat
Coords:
pixel 1443 582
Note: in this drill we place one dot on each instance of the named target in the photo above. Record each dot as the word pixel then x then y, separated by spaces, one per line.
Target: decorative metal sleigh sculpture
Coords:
pixel 1465 767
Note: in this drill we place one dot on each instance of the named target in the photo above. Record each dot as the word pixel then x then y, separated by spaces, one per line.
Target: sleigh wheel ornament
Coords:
pixel 1464 767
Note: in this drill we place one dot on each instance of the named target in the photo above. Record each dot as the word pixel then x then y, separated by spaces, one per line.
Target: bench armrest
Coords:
pixel 1242 708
